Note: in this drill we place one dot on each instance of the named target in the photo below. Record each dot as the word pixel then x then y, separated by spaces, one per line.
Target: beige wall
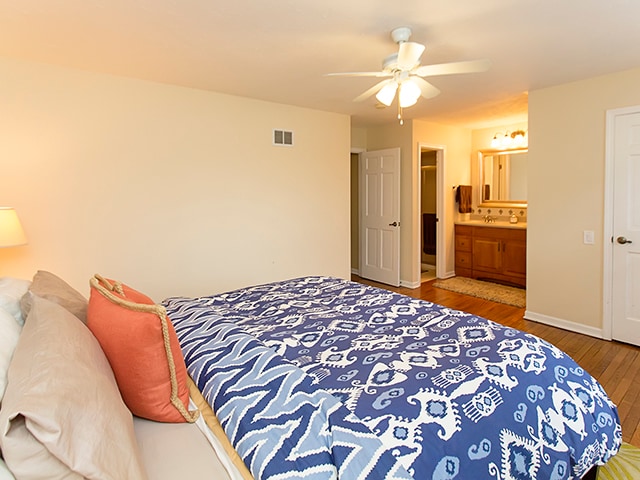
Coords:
pixel 566 197
pixel 175 191
pixel 358 139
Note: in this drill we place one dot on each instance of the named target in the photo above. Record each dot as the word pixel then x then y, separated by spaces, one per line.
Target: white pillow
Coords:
pixel 5 474
pixel 11 291
pixel 9 334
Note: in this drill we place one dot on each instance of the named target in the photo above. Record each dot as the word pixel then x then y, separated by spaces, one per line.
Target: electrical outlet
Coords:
pixel 588 237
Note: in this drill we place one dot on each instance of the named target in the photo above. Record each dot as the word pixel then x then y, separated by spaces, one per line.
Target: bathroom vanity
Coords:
pixel 492 251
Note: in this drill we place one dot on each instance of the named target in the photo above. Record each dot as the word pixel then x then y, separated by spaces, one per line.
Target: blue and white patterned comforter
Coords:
pixel 319 377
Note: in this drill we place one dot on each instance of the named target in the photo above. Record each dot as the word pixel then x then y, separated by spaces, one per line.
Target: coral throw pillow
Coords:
pixel 142 347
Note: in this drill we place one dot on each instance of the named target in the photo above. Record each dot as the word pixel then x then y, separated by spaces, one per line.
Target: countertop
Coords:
pixel 496 224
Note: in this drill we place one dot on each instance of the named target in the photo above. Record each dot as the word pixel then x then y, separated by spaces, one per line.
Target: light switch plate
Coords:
pixel 588 237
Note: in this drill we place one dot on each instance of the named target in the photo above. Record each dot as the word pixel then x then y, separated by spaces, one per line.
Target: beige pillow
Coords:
pixel 62 415
pixel 9 335
pixel 47 285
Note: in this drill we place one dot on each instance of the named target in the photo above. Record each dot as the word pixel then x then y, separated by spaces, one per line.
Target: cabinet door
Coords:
pixel 487 255
pixel 514 258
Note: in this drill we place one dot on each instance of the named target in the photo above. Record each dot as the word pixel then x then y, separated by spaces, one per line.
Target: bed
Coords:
pixel 314 377
pixel 326 375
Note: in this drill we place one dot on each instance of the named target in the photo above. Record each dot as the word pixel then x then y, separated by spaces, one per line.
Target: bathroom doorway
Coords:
pixel 430 158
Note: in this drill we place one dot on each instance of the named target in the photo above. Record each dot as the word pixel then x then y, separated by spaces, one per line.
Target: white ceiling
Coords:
pixel 279 50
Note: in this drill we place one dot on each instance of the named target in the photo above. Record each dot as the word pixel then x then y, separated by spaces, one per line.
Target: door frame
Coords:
pixel 607 238
pixel 440 211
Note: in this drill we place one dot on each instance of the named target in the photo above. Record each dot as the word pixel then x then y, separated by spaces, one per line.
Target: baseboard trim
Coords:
pixel 404 283
pixel 564 324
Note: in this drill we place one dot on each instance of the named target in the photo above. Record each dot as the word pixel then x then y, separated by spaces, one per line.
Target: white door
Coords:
pixel 379 187
pixel 625 290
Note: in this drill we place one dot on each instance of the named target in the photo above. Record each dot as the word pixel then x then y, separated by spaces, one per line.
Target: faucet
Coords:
pixel 489 219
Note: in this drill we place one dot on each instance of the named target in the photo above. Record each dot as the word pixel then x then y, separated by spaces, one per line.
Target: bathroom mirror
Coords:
pixel 503 178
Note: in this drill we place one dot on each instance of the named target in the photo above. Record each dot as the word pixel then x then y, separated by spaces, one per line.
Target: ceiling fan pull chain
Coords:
pixel 400 113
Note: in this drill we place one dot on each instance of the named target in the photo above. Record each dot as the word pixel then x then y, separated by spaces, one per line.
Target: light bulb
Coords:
pixel 518 137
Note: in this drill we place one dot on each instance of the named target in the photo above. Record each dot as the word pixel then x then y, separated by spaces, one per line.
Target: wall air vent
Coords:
pixel 283 137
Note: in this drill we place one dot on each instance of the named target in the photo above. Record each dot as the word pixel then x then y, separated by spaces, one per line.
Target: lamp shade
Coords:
pixel 387 93
pixel 409 93
pixel 11 233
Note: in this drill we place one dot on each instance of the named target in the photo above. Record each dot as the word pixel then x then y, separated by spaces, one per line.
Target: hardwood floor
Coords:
pixel 615 365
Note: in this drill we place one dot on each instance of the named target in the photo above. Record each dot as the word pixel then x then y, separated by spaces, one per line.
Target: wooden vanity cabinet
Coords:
pixel 492 253
pixel 463 251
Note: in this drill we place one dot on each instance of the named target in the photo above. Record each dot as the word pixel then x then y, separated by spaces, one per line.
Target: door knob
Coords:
pixel 623 240
pixel 394 224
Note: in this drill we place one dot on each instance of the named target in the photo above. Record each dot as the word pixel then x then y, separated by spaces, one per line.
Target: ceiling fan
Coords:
pixel 406 75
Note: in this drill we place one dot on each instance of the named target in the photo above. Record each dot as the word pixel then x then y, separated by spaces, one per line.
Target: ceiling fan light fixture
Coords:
pixel 409 94
pixel 387 93
pixel 405 77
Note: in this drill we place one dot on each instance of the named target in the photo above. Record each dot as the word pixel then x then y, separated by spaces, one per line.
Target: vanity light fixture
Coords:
pixel 517 138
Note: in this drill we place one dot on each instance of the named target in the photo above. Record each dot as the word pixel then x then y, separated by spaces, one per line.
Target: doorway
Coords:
pixel 428 215
pixel 430 211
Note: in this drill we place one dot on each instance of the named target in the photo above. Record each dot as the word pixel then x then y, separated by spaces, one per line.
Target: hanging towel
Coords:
pixel 429 233
pixel 463 197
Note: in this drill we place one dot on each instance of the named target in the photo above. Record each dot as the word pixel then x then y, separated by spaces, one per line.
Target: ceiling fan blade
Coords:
pixel 409 55
pixel 359 74
pixel 452 68
pixel 372 90
pixel 428 90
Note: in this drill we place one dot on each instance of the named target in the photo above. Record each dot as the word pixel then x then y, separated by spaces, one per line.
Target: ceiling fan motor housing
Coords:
pixel 390 63
pixel 401 34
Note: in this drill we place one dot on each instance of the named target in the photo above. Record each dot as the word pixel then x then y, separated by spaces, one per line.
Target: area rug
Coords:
pixel 487 290
pixel 625 465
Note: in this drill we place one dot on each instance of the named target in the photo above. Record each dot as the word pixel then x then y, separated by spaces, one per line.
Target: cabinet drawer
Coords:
pixel 463 259
pixel 501 233
pixel 463 243
pixel 463 230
